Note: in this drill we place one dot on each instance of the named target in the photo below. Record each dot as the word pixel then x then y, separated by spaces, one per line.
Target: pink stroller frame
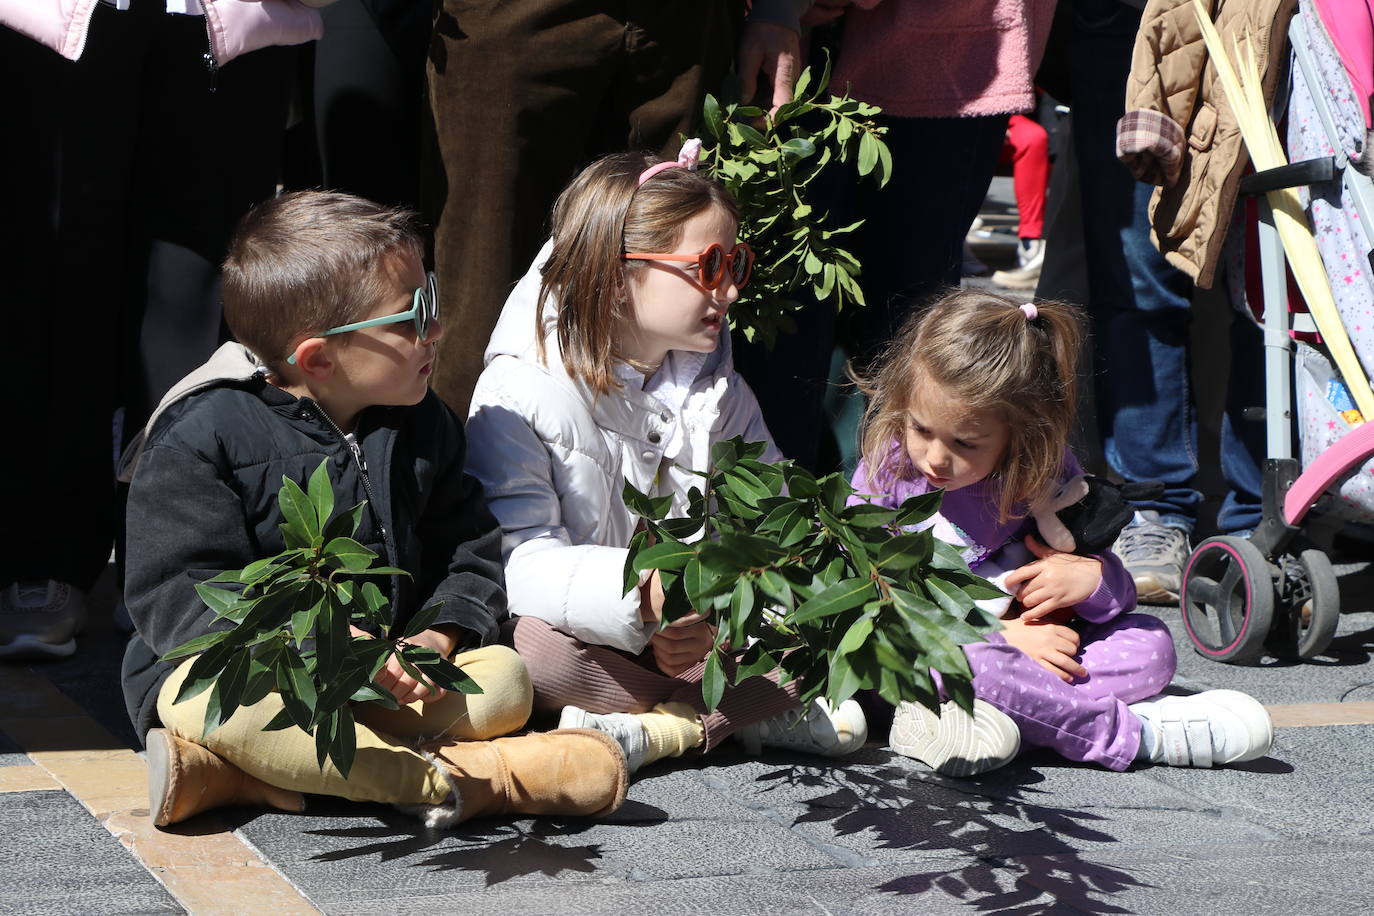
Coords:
pixel 1244 597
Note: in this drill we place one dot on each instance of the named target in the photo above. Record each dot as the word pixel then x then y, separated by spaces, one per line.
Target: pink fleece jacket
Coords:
pixel 234 27
pixel 944 58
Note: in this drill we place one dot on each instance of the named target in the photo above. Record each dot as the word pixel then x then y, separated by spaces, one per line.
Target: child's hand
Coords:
pixel 395 680
pixel 682 643
pixel 1055 580
pixel 1052 645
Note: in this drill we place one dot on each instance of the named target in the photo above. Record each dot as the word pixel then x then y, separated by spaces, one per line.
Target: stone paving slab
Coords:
pixel 59 861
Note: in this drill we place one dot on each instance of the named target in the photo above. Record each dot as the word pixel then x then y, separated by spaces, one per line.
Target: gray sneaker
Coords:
pixel 40 619
pixel 817 728
pixel 1154 554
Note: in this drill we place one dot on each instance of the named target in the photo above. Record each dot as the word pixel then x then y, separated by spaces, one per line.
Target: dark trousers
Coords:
pixel 523 95
pixel 910 246
pixel 123 176
pixel 369 98
pixel 1141 307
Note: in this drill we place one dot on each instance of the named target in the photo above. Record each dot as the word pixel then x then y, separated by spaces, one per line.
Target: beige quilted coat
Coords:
pixel 1170 73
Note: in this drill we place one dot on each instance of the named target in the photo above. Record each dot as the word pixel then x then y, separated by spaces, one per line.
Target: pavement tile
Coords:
pixel 66 862
pixel 26 779
pixel 1305 789
pixel 370 852
pixel 872 890
pixel 1261 879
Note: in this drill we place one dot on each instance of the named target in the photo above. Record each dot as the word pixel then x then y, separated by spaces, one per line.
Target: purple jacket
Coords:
pixel 973 510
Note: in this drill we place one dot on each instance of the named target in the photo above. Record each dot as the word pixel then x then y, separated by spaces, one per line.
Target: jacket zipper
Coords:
pixel 211 64
pixel 357 452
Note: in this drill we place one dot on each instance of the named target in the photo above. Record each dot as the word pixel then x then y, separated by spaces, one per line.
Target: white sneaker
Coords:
pixel 40 619
pixel 624 727
pixel 1212 728
pixel 952 742
pixel 814 729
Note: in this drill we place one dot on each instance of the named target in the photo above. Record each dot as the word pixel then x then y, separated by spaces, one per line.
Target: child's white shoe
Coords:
pixel 952 742
pixel 817 728
pixel 1212 728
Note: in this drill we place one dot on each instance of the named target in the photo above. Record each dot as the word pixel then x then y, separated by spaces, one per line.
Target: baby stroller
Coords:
pixel 1244 597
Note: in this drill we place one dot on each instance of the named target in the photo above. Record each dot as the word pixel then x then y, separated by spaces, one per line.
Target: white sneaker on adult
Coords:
pixel 952 742
pixel 817 728
pixel 1207 729
pixel 624 727
pixel 40 619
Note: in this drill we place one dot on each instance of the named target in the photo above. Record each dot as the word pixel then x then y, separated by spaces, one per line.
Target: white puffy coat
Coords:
pixel 553 458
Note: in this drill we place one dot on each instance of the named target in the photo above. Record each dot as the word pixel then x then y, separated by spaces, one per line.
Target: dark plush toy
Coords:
pixel 1085 515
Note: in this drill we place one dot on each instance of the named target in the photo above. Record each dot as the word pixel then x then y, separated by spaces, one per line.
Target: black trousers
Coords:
pixel 123 175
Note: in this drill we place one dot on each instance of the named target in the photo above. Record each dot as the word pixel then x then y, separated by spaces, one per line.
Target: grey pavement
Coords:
pixel 1290 833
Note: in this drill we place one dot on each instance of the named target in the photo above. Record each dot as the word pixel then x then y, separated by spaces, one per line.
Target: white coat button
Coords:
pixel 648 456
pixel 655 438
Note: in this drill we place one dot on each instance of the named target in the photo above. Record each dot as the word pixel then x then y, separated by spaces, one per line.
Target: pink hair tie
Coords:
pixel 686 159
pixel 1030 311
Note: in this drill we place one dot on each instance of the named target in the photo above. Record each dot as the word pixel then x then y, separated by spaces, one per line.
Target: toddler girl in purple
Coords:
pixel 976 397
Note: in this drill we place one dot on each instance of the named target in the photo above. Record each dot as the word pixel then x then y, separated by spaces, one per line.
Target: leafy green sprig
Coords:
pixel 769 161
pixel 288 623
pixel 840 598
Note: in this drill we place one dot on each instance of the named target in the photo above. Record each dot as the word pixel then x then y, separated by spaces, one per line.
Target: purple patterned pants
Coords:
pixel 1130 658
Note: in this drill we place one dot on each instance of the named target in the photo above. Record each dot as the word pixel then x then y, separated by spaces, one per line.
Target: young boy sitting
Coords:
pixel 336 321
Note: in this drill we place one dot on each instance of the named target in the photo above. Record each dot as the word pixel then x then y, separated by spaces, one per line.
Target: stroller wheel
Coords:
pixel 1227 599
pixel 1312 607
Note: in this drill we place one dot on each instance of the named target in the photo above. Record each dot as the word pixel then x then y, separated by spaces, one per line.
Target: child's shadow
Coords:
pixel 501 848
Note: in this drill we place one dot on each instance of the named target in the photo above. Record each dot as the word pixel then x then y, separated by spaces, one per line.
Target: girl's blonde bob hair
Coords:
pixel 985 354
pixel 600 216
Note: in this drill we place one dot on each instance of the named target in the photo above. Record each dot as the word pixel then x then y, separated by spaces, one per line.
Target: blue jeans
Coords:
pixel 1140 306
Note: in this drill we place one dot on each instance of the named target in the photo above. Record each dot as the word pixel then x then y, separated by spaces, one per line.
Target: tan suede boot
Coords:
pixel 571 771
pixel 185 779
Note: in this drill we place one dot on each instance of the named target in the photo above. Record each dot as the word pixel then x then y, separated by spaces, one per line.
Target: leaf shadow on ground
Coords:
pixel 501 848
pixel 1018 849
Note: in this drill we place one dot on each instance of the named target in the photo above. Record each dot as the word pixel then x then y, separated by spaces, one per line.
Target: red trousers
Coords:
pixel 1027 148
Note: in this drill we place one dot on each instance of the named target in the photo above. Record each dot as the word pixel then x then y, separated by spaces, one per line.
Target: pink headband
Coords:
pixel 1030 311
pixel 686 159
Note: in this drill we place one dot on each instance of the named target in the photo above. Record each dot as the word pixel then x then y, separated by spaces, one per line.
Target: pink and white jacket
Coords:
pixel 234 27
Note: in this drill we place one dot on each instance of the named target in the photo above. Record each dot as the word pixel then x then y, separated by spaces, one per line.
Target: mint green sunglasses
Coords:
pixel 424 311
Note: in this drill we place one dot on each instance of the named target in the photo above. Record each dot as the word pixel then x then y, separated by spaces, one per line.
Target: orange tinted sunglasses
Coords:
pixel 712 263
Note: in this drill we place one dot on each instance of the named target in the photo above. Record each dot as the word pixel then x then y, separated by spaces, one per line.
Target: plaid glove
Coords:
pixel 1150 144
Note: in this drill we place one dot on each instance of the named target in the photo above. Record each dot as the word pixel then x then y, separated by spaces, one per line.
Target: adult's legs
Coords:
pixel 1139 304
pixel 369 90
pixel 229 141
pixel 1030 173
pixel 572 81
pixel 66 174
pixel 1128 659
pixel 568 672
pixel 912 243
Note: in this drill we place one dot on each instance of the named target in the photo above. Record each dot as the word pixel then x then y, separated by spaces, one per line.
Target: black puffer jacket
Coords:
pixel 204 499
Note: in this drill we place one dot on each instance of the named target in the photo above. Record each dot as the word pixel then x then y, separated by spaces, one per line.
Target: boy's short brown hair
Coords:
pixel 308 261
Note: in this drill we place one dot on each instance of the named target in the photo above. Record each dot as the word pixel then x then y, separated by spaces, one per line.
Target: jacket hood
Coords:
pixel 514 334
pixel 232 362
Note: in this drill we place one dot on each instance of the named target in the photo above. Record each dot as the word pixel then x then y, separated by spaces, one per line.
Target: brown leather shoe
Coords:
pixel 185 779
pixel 571 771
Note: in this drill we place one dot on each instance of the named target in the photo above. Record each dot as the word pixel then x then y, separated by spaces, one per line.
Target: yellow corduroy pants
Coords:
pixel 387 768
